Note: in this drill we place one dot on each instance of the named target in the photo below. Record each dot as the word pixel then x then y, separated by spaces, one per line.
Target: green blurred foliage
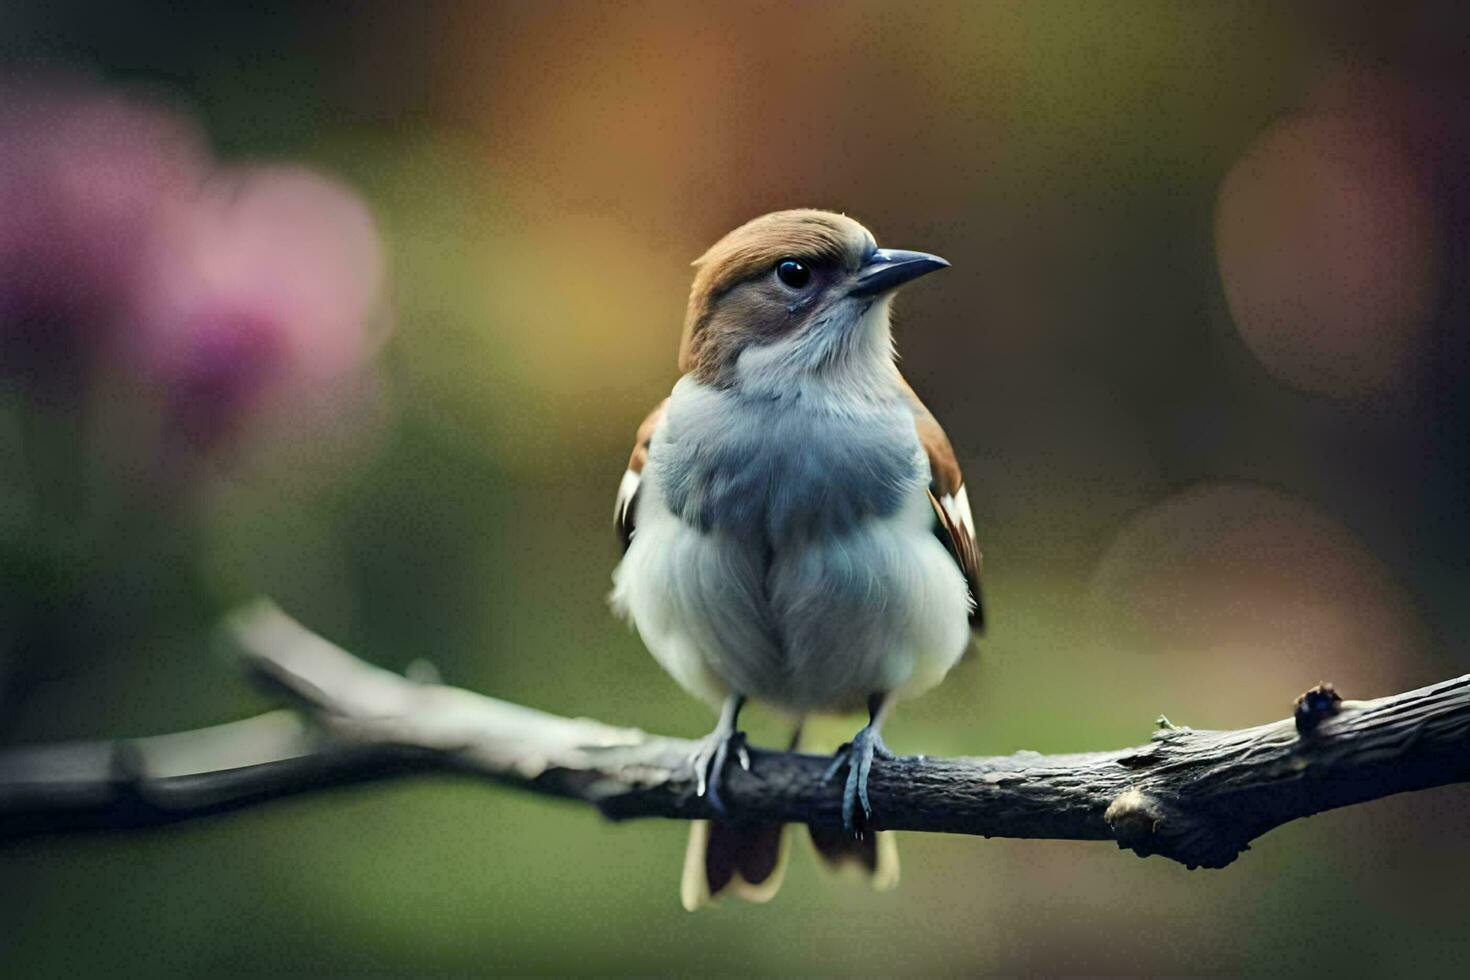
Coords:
pixel 543 174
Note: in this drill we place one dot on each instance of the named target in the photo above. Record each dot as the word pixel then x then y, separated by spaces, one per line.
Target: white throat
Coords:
pixel 831 355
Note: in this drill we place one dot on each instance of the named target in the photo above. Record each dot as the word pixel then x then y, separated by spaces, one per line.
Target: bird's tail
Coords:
pixel 748 860
pixel 874 855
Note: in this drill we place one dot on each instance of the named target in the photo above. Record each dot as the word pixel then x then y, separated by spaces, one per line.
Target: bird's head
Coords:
pixel 794 296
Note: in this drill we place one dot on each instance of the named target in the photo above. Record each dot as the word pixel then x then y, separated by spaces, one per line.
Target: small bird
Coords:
pixel 795 526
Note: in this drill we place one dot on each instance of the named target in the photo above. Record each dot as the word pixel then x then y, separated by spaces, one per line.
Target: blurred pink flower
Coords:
pixel 271 286
pixel 85 178
pixel 225 290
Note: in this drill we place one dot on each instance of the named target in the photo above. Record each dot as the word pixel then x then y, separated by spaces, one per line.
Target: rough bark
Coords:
pixel 1198 797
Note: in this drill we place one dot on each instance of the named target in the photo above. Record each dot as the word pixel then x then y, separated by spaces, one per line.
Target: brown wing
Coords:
pixel 626 507
pixel 954 524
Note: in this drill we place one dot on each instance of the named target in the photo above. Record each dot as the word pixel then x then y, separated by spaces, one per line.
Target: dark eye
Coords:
pixel 793 273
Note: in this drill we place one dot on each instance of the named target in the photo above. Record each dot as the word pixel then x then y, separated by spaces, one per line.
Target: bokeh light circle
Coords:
pixel 1327 246
pixel 1258 592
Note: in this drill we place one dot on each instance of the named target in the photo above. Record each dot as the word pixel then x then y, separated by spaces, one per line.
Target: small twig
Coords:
pixel 1198 797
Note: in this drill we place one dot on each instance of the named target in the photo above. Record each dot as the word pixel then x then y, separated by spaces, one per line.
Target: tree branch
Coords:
pixel 1198 797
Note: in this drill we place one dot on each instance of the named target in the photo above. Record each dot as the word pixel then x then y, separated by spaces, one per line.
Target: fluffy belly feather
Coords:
pixel 817 624
pixel 785 550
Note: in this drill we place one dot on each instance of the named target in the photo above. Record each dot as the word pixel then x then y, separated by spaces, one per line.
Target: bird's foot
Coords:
pixel 711 759
pixel 857 756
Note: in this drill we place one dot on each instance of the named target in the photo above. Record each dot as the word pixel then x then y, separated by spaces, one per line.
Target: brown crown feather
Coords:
pixel 752 250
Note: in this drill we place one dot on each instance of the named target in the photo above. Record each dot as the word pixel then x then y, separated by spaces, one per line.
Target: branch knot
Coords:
pixel 1135 818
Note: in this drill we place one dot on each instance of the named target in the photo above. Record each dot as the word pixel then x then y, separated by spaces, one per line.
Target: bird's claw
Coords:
pixel 857 756
pixel 839 759
pixel 710 762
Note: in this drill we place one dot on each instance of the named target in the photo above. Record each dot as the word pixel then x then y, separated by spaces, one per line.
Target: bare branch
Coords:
pixel 1198 797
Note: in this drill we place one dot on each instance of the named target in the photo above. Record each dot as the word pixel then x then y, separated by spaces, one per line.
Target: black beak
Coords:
pixel 888 268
